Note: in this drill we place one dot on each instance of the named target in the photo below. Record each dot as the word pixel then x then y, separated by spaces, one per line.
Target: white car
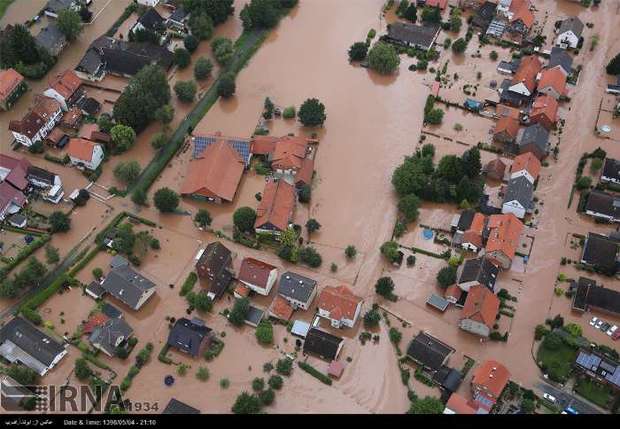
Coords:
pixel 593 321
pixel 611 330
pixel 599 323
pixel 549 397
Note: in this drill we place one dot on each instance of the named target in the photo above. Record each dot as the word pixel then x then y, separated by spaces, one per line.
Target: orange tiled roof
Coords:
pixel 263 145
pixel 340 301
pixel 459 405
pixel 554 78
pixel 45 107
pixel 9 80
pixel 493 376
pixel 304 174
pixel 507 111
pixel 242 290
pixel 453 291
pixel 474 233
pixel 496 168
pixel 481 305
pixel 528 70
pixel 81 149
pixel 289 152
pixel 521 10
pixel 277 205
pixel 441 4
pixel 255 272
pixel 66 83
pixel 216 174
pixel 508 125
pixel 546 106
pixel 504 234
pixel 527 161
pixel 281 308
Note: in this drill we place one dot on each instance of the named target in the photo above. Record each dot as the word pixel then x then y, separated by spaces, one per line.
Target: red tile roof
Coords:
pixel 545 106
pixel 94 321
pixel 45 107
pixel 66 83
pixel 521 10
pixel 18 171
pixel 491 377
pixel 72 118
pixel 335 369
pixel 504 234
pixel 216 174
pixel 554 78
pixel 9 80
pixel 528 70
pixel 441 4
pixel 36 118
pixel 474 234
pixel 507 125
pixel 9 194
pixel 495 169
pixel 255 272
pixel 481 306
pixel 289 152
pixel 263 145
pixel 453 291
pixel 242 290
pixel 527 161
pixel 281 308
pixel 340 302
pixel 304 174
pixel 277 205
pixel 81 149
pixel 459 405
pixel 507 111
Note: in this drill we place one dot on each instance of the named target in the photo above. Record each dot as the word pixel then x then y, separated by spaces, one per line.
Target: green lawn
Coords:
pixel 593 391
pixel 557 360
pixel 4 5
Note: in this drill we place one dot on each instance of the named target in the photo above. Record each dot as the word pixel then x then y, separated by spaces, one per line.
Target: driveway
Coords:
pixel 565 399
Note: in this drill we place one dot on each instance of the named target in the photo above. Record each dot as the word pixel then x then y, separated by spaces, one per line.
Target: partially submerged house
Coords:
pixel 12 86
pixel 276 208
pixel 590 296
pixel 611 171
pixel 51 39
pixel 599 367
pixel 190 336
pixel 257 275
pixel 569 33
pixel 38 122
pixel 340 306
pixel 65 88
pixel 478 314
pixel 519 197
pixel 601 253
pixel 603 206
pixel 517 91
pixel 290 157
pixel 111 335
pixel 48 184
pixel 506 130
pixel 552 82
pixel 504 233
pixel 129 287
pixel 298 290
pixel 11 200
pixel 533 139
pixel 22 343
pixel 488 383
pixel 54 7
pixel 85 154
pixel 526 165
pixel 175 406
pixel 559 57
pixel 495 169
pixel 544 111
pixel 322 344
pixel 428 352
pixel 214 265
pixel 477 272
pixel 411 35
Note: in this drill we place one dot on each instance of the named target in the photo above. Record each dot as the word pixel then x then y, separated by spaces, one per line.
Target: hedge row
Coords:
pixel 315 373
pixel 188 284
pixel 24 254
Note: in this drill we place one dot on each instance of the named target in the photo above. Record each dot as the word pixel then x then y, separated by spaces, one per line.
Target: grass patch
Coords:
pixel 593 391
pixel 556 361
pixel 4 5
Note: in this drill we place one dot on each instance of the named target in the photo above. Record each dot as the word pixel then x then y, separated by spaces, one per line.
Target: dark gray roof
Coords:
pixel 95 289
pixel 600 251
pixel 448 378
pixel 151 20
pixel 603 203
pixel 58 5
pixel 589 294
pixel 480 270
pixel 437 301
pixel 296 286
pixel 513 65
pixel 521 190
pixel 118 261
pixel 467 216
pixel 32 341
pixel 111 311
pixel 536 135
pixel 322 344
pixel 510 97
pixel 573 24
pixel 179 15
pixel 420 35
pixel 51 38
pixel 40 175
pixel 484 15
pixel 213 265
pixel 126 285
pixel 254 315
pixel 601 365
pixel 90 62
pixel 178 407
pixel 560 57
pixel 428 351
pixel 188 335
pixel 107 335
pixel 611 169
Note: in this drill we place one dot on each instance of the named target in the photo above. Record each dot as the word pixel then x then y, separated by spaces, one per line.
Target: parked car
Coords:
pixel 616 335
pixel 605 326
pixel 593 321
pixel 549 398
pixel 599 323
pixel 611 330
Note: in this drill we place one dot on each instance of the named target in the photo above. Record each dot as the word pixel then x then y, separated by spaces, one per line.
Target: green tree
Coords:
pixel 358 51
pixel 226 86
pixel 202 68
pixel 239 312
pixel 166 200
pixel 200 301
pixel 244 219
pixel 59 222
pixel 613 68
pixel 165 114
pixel 22 374
pixel 51 254
pixel 308 255
pixel 584 182
pixel 267 396
pixel 82 370
pixel 17 45
pixel 264 332
pixel 350 251
pixel 246 404
pixel 384 287
pixel 383 58
pixel 450 168
pixel 260 14
pixel 428 405
pixel 459 46
pixel 203 218
pixel 431 14
pixel 69 23
pixel 201 26
pixel 446 276
pixel 493 55
pixel 371 319
pixel 305 193
pixel 127 172
pixel 202 374
pixel 434 117
pixel 258 384
pixel 409 206
pixel 105 122
pixel 389 249
pixel 402 8
pixel 191 43
pixel 471 162
pixel 284 366
pixel 223 50
pixel 596 164
pixel 275 382
pixel 312 113
pixel 411 14
pixel 159 140
pixel 182 57
pixel 122 138
pixel 312 225
pixel 218 10
pixel 185 90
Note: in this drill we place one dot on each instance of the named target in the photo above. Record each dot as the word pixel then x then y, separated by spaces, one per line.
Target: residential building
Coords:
pixel 519 197
pixel 526 165
pixel 481 308
pixel 22 343
pixel 429 352
pixel 48 184
pixel 241 145
pixel 129 287
pixel 601 253
pixel 458 405
pixel 552 82
pixel 569 33
pixel 412 35
pixel 14 395
pixel 589 296
pixel 560 57
pixel 72 119
pixel 509 67
pixel 276 208
pixel 150 20
pixel 524 80
pixel 38 122
pixel 504 234
pixel 14 172
pixel 495 169
pixel 214 265
pixel 281 309
pixel 65 88
pixel 533 139
pixel 603 206
pixel 544 111
pixel 472 239
pixel 520 18
pixel 477 272
pixel 150 3
pixel 340 306
pixel 254 316
pixel 110 336
pixel 290 157
pixel 175 406
pixel 51 39
pixel 12 86
pixel 85 154
pixel 484 15
pixel 322 344
pixel 178 19
pixel 611 171
pixel 11 200
pixel 298 290
pixel 257 275
pixel 599 367
pixel 506 130
pixel 488 382
pixel 53 7
pixel 215 176
pixel 190 336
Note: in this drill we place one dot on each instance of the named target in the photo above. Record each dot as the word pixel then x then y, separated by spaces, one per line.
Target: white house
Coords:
pixel 298 290
pixel 38 122
pixel 340 306
pixel 569 33
pixel 518 198
pixel 84 153
pixel 257 275
pixel 63 87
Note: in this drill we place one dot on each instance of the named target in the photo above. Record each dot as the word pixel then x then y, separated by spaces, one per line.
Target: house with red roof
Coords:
pixel 441 4
pixel 290 157
pixel 488 383
pixel 459 405
pixel 12 86
pixel 481 308
pixel 527 165
pixel 520 19
pixel 281 309
pixel 544 111
pixel 64 88
pixel 257 275
pixel 38 122
pixel 506 130
pixel 276 209
pixel 552 82
pixel 504 235
pixel 11 200
pixel 473 237
pixel 15 172
pixel 85 154
pixel 340 306
pixel 524 80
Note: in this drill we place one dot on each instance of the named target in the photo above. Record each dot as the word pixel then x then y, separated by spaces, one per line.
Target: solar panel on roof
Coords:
pixel 242 146
pixel 438 302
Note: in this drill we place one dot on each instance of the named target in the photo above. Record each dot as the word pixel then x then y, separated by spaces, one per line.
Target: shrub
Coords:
pixel 358 51
pixel 267 397
pixel 371 319
pixel 222 50
pixel 191 43
pixel 350 251
pixel 312 113
pixel 264 332
pixel 289 112
pixel 246 404
pixel 202 68
pixel 275 382
pixel 258 384
pixel 226 86
pixel 166 200
pixel 383 58
pixel 182 57
pixel 446 276
pixel 284 366
pixel 315 373
pixel 185 90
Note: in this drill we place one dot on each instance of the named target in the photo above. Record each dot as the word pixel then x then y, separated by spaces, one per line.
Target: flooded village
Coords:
pixel 216 206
